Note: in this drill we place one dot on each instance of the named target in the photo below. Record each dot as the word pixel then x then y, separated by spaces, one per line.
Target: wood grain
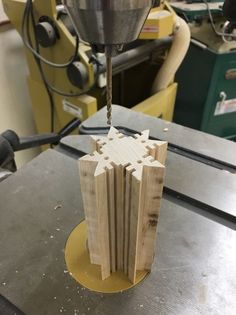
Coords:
pixel 121 185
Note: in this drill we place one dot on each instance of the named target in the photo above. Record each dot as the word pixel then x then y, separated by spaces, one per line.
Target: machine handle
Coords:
pixel 223 97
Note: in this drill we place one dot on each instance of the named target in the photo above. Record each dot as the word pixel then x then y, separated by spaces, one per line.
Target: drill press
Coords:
pixel 109 25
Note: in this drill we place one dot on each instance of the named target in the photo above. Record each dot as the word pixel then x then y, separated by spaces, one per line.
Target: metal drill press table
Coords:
pixel 194 270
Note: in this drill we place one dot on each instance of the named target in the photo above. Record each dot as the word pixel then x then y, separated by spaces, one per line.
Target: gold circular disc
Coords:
pixel 88 275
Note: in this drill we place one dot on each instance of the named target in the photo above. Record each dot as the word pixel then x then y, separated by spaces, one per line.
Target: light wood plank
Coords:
pixel 103 223
pixel 150 199
pixel 161 152
pixel 120 215
pixel 87 169
pixel 128 186
pixel 133 228
pixel 112 217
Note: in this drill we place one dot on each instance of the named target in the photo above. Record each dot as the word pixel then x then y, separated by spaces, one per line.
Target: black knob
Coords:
pixel 77 74
pixel 46 34
pixel 12 138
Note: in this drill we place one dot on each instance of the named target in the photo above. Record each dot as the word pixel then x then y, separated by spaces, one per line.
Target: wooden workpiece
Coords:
pixel 121 185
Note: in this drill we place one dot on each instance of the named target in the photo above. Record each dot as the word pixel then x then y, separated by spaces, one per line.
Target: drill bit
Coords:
pixel 109 84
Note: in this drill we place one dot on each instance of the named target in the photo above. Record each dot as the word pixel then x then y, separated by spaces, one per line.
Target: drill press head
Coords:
pixel 109 22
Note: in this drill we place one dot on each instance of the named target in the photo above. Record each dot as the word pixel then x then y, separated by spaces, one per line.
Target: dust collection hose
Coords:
pixel 178 50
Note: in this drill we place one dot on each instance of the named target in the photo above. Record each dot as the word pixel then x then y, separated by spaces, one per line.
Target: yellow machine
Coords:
pixel 143 72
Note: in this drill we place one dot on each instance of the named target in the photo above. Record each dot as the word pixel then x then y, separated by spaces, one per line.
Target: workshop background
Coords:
pixel 15 105
pixel 43 204
pixel 205 79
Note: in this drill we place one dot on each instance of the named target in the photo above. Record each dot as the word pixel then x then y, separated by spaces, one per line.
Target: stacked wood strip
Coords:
pixel 121 185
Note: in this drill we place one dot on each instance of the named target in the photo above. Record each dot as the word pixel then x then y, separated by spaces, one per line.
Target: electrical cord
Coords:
pixel 38 62
pixel 36 54
pixel 28 9
pixel 27 15
pixel 213 24
pixel 74 123
pixel 68 128
pixel 5 22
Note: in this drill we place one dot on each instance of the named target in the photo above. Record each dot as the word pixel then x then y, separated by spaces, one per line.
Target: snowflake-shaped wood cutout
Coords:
pixel 121 185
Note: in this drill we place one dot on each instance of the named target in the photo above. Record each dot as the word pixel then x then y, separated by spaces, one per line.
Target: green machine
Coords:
pixel 206 97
